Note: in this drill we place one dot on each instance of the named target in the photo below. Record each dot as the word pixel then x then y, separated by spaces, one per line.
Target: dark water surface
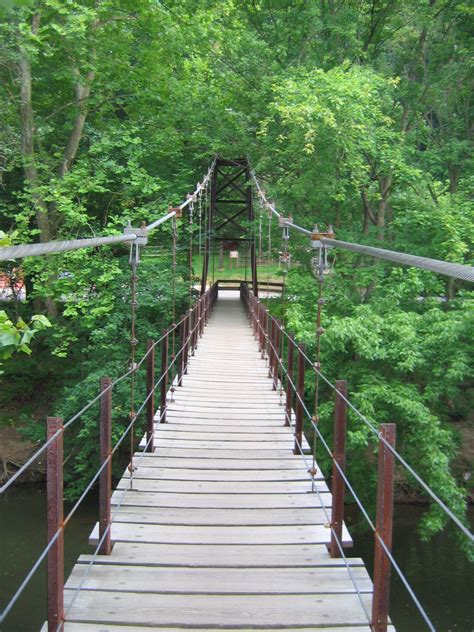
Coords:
pixel 440 574
pixel 22 538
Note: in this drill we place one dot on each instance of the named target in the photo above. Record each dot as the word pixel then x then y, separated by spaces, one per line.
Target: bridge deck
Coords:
pixel 221 529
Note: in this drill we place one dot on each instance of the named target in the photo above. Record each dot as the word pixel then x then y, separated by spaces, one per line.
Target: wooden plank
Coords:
pixel 205 581
pixel 168 432
pixel 210 610
pixel 289 463
pixel 236 556
pixel 176 420
pixel 206 453
pixel 223 517
pixel 226 501
pixel 222 416
pixel 220 535
pixel 223 487
pixel 203 475
pixel 206 428
pixel 229 446
pixel 97 627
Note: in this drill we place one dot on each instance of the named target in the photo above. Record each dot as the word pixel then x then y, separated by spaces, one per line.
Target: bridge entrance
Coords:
pixel 229 220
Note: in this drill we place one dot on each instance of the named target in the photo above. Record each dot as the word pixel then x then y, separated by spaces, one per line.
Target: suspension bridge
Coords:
pixel 223 517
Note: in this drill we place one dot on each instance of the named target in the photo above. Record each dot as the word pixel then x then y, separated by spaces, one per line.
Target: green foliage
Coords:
pixel 356 114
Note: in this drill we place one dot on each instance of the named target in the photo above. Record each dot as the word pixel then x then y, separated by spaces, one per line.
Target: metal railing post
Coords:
pixel 276 368
pixel 339 456
pixel 259 326
pixel 164 373
pixel 289 379
pixel 180 355
pixel 187 320
pixel 271 352
pixel 264 331
pixel 383 528
pixel 200 316
pixel 105 479
pixel 193 329
pixel 150 393
pixel 299 403
pixel 54 495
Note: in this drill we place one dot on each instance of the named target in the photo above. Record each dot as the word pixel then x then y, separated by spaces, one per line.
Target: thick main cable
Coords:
pixel 453 270
pixel 53 247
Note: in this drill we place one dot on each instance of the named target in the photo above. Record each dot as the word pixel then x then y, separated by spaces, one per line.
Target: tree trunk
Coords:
pixel 28 149
pixel 83 91
pixel 27 137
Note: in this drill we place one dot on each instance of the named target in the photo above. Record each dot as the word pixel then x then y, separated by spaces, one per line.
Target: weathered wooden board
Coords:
pixel 220 535
pixel 290 463
pixel 223 487
pixel 202 474
pixel 227 501
pixel 210 610
pixel 229 446
pixel 98 627
pixel 236 556
pixel 224 436
pixel 209 581
pixel 222 429
pixel 224 517
pixel 207 453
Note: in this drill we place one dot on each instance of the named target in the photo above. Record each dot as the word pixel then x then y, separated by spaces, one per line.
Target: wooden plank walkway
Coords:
pixel 221 529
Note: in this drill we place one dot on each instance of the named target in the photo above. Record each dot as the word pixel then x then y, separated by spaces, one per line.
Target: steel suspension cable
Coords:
pixel 454 270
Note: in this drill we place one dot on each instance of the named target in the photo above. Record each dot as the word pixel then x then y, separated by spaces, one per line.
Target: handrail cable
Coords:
pixel 106 531
pixel 355 496
pixel 45 551
pixel 339 543
pixel 76 416
pixel 393 450
pixel 454 270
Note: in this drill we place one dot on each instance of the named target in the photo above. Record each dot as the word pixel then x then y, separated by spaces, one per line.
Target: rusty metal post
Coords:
pixel 105 480
pixel 186 342
pixel 54 495
pixel 289 387
pixel 200 316
pixel 264 331
pixel 259 325
pixel 383 528
pixel 256 333
pixel 339 456
pixel 150 393
pixel 193 329
pixel 276 368
pixel 180 355
pixel 299 402
pixel 164 381
pixel 271 343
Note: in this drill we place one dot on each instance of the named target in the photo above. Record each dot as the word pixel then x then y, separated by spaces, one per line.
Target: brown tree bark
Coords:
pixel 27 136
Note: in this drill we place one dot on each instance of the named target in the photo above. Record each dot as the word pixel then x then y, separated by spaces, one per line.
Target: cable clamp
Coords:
pixel 141 233
pixel 177 210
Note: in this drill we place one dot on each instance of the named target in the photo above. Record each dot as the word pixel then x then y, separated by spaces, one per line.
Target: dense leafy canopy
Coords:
pixel 356 113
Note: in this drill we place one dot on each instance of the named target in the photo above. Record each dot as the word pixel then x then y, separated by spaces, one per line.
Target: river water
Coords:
pixel 440 574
